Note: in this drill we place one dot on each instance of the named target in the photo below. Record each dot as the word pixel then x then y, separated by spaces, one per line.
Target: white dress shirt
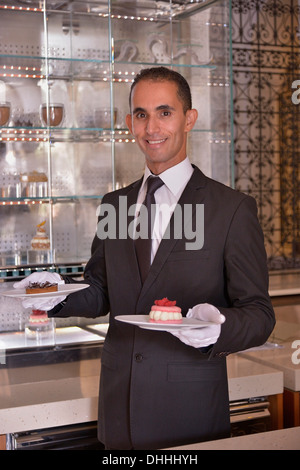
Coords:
pixel 166 197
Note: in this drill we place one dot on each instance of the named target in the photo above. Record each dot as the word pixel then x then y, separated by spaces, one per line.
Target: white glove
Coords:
pixel 201 337
pixel 41 303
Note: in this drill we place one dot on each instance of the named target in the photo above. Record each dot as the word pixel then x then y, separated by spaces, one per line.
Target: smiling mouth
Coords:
pixel 153 142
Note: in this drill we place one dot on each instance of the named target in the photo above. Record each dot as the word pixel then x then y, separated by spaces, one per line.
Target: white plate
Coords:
pixel 63 289
pixel 143 322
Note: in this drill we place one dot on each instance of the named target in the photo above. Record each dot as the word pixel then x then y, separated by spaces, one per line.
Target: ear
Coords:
pixel 128 120
pixel 190 119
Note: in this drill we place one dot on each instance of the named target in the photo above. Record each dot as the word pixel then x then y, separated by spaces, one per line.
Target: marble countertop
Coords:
pixel 51 394
pixel 48 395
pixel 283 439
pixel 282 358
pixel 246 380
pixel 284 283
pixel 285 353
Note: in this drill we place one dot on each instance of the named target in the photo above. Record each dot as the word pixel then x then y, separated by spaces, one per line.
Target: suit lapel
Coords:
pixel 193 194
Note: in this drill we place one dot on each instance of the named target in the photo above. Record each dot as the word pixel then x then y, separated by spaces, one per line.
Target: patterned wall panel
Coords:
pixel 267 166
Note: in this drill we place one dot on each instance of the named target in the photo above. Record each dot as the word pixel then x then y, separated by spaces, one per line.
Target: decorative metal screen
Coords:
pixel 266 61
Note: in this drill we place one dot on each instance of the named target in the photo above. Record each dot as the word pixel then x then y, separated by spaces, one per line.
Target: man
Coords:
pixel 159 389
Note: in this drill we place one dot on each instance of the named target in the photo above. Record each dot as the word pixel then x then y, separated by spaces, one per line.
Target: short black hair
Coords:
pixel 165 74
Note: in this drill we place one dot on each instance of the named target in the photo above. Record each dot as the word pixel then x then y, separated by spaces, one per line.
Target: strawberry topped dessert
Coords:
pixel 165 311
pixel 38 317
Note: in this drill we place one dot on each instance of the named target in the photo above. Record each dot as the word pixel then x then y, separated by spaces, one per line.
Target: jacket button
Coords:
pixel 138 357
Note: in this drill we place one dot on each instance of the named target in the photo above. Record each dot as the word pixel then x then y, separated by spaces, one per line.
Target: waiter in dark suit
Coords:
pixel 160 389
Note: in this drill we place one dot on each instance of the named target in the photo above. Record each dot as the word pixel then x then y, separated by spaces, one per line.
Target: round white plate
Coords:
pixel 63 289
pixel 143 322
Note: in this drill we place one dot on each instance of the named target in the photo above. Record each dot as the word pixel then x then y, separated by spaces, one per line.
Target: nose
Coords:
pixel 152 125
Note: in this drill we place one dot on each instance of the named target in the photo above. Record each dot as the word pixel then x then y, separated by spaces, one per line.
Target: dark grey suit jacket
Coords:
pixel 155 391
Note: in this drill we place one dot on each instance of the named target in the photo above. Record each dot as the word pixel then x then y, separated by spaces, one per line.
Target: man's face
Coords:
pixel 158 123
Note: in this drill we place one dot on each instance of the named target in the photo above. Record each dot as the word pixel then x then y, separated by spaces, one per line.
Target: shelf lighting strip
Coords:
pixel 28 135
pixel 18 8
pixel 20 72
pixel 101 15
pixel 118 77
pixel 23 135
pixel 11 71
pixel 21 203
pixel 160 15
pixel 136 18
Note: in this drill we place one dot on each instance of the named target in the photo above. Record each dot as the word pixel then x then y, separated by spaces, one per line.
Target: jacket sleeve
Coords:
pixel 250 316
pixel 93 301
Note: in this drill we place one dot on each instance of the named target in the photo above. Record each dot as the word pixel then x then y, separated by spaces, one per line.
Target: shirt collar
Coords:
pixel 175 178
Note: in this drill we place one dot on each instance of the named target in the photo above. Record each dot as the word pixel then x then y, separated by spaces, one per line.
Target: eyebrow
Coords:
pixel 159 108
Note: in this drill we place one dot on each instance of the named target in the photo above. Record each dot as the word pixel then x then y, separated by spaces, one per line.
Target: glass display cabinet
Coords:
pixel 65 72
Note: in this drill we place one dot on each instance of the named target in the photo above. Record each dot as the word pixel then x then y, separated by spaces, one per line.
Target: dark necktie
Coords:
pixel 143 245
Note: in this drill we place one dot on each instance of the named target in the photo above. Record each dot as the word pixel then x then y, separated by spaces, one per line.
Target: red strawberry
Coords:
pixel 165 302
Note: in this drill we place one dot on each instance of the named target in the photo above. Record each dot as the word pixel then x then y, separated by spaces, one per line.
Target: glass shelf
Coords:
pixel 73 69
pixel 11 70
pixel 158 11
pixel 73 134
pixel 44 200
